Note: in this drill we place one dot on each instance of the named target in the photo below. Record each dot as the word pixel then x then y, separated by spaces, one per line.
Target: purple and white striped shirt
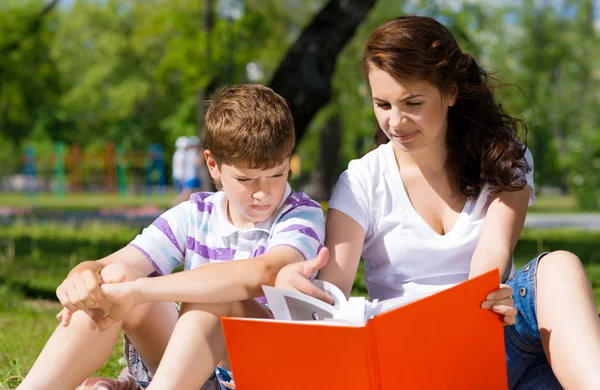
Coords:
pixel 198 232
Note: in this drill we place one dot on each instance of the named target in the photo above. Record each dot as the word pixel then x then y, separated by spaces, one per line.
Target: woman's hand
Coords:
pixel 296 276
pixel 501 302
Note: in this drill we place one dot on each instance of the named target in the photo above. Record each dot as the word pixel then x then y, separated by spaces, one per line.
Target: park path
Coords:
pixel 588 221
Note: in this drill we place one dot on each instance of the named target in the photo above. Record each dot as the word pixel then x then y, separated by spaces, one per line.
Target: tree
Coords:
pixel 304 76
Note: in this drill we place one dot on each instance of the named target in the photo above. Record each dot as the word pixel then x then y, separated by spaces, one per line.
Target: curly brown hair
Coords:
pixel 485 144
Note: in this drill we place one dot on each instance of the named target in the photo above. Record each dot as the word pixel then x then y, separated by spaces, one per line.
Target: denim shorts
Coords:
pixel 526 362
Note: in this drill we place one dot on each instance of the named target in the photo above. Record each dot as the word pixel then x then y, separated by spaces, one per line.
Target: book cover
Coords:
pixel 443 341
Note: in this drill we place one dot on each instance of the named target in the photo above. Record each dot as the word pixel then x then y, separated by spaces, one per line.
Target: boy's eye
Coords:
pixel 382 105
pixel 276 176
pixel 241 179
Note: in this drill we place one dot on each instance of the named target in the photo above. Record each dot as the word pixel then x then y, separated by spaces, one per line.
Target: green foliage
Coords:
pixel 130 72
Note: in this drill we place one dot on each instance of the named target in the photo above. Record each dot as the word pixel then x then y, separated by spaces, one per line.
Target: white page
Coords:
pixel 281 302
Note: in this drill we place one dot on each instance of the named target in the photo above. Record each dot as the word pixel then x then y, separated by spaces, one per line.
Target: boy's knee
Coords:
pixel 217 309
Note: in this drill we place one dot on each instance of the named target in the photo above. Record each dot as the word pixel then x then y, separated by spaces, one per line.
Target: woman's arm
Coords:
pixel 345 240
pixel 503 225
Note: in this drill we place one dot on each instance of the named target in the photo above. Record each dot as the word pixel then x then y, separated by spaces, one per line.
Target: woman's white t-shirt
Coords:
pixel 403 255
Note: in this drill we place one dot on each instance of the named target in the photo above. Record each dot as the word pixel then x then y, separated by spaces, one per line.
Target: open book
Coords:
pixel 442 341
pixel 294 306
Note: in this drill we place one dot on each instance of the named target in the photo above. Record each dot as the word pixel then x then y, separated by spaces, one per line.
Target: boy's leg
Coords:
pixel 75 352
pixel 197 345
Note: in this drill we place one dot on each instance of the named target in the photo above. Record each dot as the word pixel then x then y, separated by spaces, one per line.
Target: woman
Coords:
pixel 443 198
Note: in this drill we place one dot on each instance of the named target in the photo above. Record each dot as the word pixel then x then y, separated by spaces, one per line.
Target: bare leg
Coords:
pixel 568 320
pixel 198 345
pixel 75 352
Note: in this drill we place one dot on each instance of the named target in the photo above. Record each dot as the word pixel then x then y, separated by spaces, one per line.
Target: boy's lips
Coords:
pixel 261 207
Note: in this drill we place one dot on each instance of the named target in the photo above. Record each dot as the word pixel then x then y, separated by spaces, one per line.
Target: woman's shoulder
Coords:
pixel 371 163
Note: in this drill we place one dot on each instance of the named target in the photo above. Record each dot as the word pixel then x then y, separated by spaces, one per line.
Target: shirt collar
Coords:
pixel 219 222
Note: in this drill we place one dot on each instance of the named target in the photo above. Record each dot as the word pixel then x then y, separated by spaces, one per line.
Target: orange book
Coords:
pixel 442 341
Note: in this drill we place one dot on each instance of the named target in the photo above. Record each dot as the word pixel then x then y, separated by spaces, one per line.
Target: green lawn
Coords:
pixel 87 201
pixel 90 201
pixel 43 254
pixel 26 326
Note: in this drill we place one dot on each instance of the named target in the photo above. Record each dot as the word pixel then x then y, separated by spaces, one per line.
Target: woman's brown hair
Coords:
pixel 483 140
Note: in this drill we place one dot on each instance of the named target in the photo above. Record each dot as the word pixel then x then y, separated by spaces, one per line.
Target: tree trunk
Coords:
pixel 32 29
pixel 330 142
pixel 202 94
pixel 304 76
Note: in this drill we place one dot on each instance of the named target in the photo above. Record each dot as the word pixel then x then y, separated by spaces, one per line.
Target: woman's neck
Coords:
pixel 429 160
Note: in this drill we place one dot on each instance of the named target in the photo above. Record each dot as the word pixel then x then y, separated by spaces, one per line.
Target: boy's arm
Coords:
pixel 214 283
pixel 127 255
pixel 81 288
pixel 297 236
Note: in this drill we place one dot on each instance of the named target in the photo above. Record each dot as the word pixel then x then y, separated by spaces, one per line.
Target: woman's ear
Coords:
pixel 453 95
pixel 212 165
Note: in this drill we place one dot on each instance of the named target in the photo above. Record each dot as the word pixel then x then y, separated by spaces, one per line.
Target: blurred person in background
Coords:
pixel 178 163
pixel 190 178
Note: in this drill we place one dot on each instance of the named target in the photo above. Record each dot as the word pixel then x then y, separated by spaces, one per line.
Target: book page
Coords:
pixel 377 307
pixel 295 306
pixel 289 305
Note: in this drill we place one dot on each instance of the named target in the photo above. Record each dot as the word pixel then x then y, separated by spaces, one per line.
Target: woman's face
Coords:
pixel 412 114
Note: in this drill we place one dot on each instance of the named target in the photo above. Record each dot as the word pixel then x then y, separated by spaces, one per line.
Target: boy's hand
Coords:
pixel 501 302
pixel 95 314
pixel 122 300
pixel 296 276
pixel 80 291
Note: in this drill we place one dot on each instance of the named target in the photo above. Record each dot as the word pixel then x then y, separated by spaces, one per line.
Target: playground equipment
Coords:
pixel 113 169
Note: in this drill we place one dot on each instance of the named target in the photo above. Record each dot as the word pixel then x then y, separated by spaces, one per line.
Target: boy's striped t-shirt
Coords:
pixel 198 232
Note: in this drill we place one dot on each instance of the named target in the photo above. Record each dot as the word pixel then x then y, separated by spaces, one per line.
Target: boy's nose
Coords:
pixel 261 192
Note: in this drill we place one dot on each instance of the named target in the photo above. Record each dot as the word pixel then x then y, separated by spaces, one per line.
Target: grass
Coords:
pixel 27 325
pixel 85 201
pixel 94 201
pixel 45 253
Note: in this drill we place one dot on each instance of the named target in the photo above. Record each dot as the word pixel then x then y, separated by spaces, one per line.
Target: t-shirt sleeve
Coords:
pixel 350 195
pixel 529 176
pixel 163 242
pixel 302 228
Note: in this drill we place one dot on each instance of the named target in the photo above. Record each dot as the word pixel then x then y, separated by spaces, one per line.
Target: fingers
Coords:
pixel 65 317
pixel 504 291
pixel 92 282
pixel 305 286
pixel 501 302
pixel 114 273
pixel 64 299
pixel 310 267
pixel 509 314
pixel 80 291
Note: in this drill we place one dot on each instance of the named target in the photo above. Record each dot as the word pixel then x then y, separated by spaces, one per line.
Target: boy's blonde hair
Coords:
pixel 249 126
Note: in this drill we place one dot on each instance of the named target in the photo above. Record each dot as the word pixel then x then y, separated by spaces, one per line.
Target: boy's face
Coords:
pixel 253 194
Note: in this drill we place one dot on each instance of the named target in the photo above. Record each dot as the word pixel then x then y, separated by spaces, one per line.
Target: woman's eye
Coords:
pixel 413 104
pixel 382 105
pixel 242 180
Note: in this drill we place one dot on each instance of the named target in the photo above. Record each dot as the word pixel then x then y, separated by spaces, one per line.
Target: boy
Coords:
pixel 256 217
